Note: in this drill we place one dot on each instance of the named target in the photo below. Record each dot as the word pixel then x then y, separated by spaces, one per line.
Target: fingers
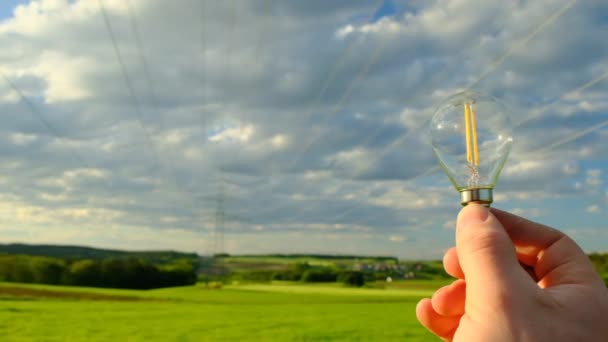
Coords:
pixel 556 258
pixel 486 254
pixel 528 234
pixel 449 300
pixel 441 314
pixel 564 262
pixel 451 264
pixel 529 238
pixel 442 326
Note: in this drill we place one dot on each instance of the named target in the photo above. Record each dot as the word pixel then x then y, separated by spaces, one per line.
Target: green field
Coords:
pixel 260 312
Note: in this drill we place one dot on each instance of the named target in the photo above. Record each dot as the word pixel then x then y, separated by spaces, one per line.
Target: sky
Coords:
pixel 133 124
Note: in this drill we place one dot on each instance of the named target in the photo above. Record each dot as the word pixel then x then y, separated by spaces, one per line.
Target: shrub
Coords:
pixel 277 276
pixel 254 276
pixel 352 278
pixel 215 285
pixel 287 275
pixel 319 276
pixel 31 269
pixel 84 273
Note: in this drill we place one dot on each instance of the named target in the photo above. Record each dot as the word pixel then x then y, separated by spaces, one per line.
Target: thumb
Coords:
pixel 486 254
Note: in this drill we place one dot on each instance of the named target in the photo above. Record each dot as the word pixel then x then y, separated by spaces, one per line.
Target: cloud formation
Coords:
pixel 127 125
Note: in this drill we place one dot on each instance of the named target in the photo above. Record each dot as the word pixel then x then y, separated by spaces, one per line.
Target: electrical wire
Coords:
pixel 128 83
pixel 37 114
pixel 522 43
pixel 40 117
pixel 492 67
pixel 316 101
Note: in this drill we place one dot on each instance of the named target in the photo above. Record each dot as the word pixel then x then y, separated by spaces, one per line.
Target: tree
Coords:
pixel 84 273
pixel 352 278
pixel 47 270
pixel 319 276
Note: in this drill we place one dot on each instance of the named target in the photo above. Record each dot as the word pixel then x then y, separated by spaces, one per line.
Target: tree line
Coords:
pixel 82 252
pixel 307 273
pixel 369 258
pixel 112 272
pixel 600 261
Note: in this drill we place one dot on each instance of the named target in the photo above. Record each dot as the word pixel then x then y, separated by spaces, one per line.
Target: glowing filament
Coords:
pixel 474 129
pixel 471 135
pixel 467 124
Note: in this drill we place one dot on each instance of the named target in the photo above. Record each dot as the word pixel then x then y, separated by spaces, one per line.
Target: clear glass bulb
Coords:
pixel 471 137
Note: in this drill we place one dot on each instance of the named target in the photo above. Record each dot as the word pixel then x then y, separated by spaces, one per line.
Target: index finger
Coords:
pixel 556 258
pixel 525 232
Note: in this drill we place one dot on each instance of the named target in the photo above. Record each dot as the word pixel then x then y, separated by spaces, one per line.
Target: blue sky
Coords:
pixel 386 9
pixel 306 120
pixel 8 6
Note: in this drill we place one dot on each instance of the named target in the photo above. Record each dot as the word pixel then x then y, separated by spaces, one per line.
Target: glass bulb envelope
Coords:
pixel 471 134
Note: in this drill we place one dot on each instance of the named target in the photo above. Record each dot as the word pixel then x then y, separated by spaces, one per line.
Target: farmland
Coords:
pixel 254 312
pixel 237 298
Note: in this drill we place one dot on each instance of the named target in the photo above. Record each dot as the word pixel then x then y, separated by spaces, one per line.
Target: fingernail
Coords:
pixel 473 213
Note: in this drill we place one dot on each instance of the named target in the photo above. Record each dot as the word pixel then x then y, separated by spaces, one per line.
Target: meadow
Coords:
pixel 279 311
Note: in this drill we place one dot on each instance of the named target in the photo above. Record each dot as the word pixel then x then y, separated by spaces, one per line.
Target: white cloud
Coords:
pixel 175 137
pixel 401 197
pixel 594 177
pixel 63 76
pixel 397 238
pixel 305 119
pixel 528 212
pixel 382 26
pixel 238 134
pixel 22 139
pixel 593 209
pixel 449 225
pixel 279 141
pixel 345 31
pixel 78 173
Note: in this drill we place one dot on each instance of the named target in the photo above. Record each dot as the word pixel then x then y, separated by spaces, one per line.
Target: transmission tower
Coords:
pixel 220 218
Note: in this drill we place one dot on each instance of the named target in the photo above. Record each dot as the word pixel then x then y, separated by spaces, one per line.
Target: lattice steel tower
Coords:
pixel 220 219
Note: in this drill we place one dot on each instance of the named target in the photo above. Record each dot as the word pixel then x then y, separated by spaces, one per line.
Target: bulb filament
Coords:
pixel 471 135
pixel 471 142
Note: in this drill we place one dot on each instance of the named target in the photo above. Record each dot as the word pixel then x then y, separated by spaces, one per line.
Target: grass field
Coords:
pixel 268 312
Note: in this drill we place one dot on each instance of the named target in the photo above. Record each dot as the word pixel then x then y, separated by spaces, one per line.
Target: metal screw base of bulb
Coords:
pixel 482 196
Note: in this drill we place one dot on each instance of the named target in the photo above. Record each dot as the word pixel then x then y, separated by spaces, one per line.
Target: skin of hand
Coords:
pixel 560 298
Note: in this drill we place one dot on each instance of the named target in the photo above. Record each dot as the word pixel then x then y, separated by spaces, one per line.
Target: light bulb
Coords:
pixel 471 137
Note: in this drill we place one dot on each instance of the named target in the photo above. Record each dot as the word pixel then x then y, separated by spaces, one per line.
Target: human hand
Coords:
pixel 495 299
